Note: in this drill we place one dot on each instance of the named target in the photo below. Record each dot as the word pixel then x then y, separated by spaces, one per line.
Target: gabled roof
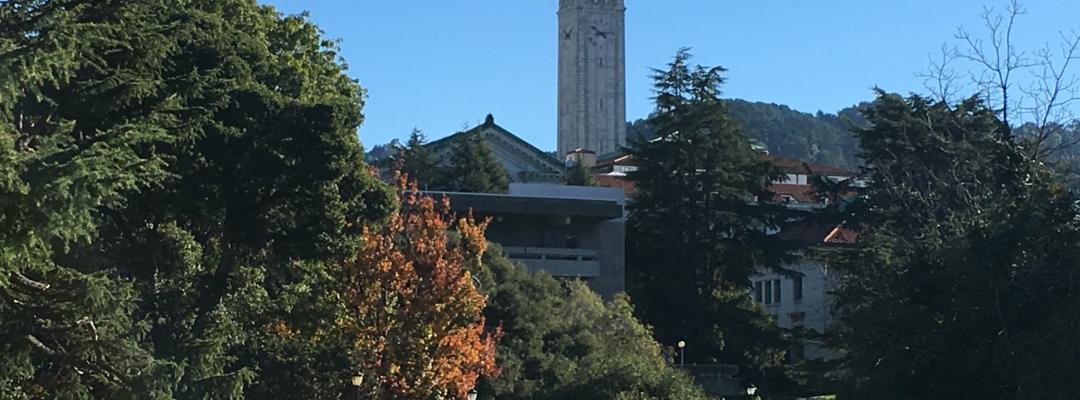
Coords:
pixel 540 157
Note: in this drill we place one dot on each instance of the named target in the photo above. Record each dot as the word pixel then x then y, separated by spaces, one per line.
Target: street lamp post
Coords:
pixel 682 352
pixel 751 391
pixel 358 381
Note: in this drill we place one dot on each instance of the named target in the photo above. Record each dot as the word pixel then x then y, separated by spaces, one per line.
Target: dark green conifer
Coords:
pixel 475 168
pixel 579 175
pixel 172 174
pixel 418 161
pixel 695 231
pixel 960 285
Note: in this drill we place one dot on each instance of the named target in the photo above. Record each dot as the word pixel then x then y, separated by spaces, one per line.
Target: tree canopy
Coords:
pixel 474 168
pixel 695 233
pixel 561 341
pixel 579 175
pixel 960 285
pixel 166 165
pixel 417 161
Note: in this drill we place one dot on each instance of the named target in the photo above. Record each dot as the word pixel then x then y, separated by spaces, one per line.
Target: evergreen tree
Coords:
pixel 474 168
pixel 960 285
pixel 695 233
pixel 167 168
pixel 417 161
pixel 579 175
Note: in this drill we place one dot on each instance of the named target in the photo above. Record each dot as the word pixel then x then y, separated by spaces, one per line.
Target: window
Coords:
pixel 768 292
pixel 572 242
pixel 796 355
pixel 776 291
pixel 757 291
pixel 796 289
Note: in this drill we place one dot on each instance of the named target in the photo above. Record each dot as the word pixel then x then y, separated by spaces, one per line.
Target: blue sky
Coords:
pixel 438 65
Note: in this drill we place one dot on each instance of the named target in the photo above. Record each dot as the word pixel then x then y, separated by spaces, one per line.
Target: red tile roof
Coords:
pixel 816 234
pixel 614 181
pixel 799 193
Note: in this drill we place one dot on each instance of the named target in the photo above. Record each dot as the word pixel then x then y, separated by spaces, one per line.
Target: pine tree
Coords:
pixel 475 168
pixel 968 247
pixel 417 161
pixel 69 326
pixel 579 175
pixel 167 167
pixel 695 233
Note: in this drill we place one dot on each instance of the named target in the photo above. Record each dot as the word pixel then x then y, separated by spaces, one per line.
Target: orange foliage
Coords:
pixel 413 306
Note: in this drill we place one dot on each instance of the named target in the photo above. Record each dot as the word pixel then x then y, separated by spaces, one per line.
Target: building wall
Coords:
pixel 592 76
pixel 608 238
pixel 812 311
pixel 559 191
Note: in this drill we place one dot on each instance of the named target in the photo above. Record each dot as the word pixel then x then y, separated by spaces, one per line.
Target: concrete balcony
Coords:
pixel 578 263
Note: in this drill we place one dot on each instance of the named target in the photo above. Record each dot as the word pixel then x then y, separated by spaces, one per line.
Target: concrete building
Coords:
pixel 572 232
pixel 592 76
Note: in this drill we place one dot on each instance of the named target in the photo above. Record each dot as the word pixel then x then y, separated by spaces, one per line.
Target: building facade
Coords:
pixel 592 76
pixel 565 231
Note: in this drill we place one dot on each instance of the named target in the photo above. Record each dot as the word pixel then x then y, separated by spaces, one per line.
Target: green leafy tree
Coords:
pixel 168 167
pixel 694 231
pixel 561 341
pixel 579 175
pixel 474 168
pixel 960 285
pixel 417 161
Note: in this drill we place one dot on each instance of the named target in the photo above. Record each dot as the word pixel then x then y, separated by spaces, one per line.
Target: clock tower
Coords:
pixel 592 76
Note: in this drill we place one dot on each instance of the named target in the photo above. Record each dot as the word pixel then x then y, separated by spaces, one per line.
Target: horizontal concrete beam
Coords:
pixel 485 203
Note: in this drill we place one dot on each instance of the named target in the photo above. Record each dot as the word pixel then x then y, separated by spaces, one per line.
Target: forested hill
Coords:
pixel 822 138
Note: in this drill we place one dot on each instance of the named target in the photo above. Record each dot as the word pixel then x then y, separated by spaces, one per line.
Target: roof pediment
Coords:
pixel 517 155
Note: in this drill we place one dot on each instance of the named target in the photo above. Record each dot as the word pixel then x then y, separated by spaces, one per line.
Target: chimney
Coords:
pixel 579 155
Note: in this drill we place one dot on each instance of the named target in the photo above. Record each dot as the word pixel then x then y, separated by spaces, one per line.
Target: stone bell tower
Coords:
pixel 592 76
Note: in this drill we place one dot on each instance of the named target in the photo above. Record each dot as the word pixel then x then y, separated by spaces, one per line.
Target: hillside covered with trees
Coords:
pixel 822 137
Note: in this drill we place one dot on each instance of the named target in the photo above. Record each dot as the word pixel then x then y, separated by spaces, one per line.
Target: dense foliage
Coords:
pixel 561 341
pixel 417 161
pixel 473 168
pixel 695 233
pixel 578 175
pixel 173 175
pixel 963 284
pixel 413 309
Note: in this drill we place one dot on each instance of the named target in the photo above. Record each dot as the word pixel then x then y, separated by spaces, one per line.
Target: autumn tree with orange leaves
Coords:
pixel 414 309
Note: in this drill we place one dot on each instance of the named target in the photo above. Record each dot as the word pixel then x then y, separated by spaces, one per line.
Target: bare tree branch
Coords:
pixel 939 78
pixel 30 282
pixel 1040 106
pixel 1051 94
